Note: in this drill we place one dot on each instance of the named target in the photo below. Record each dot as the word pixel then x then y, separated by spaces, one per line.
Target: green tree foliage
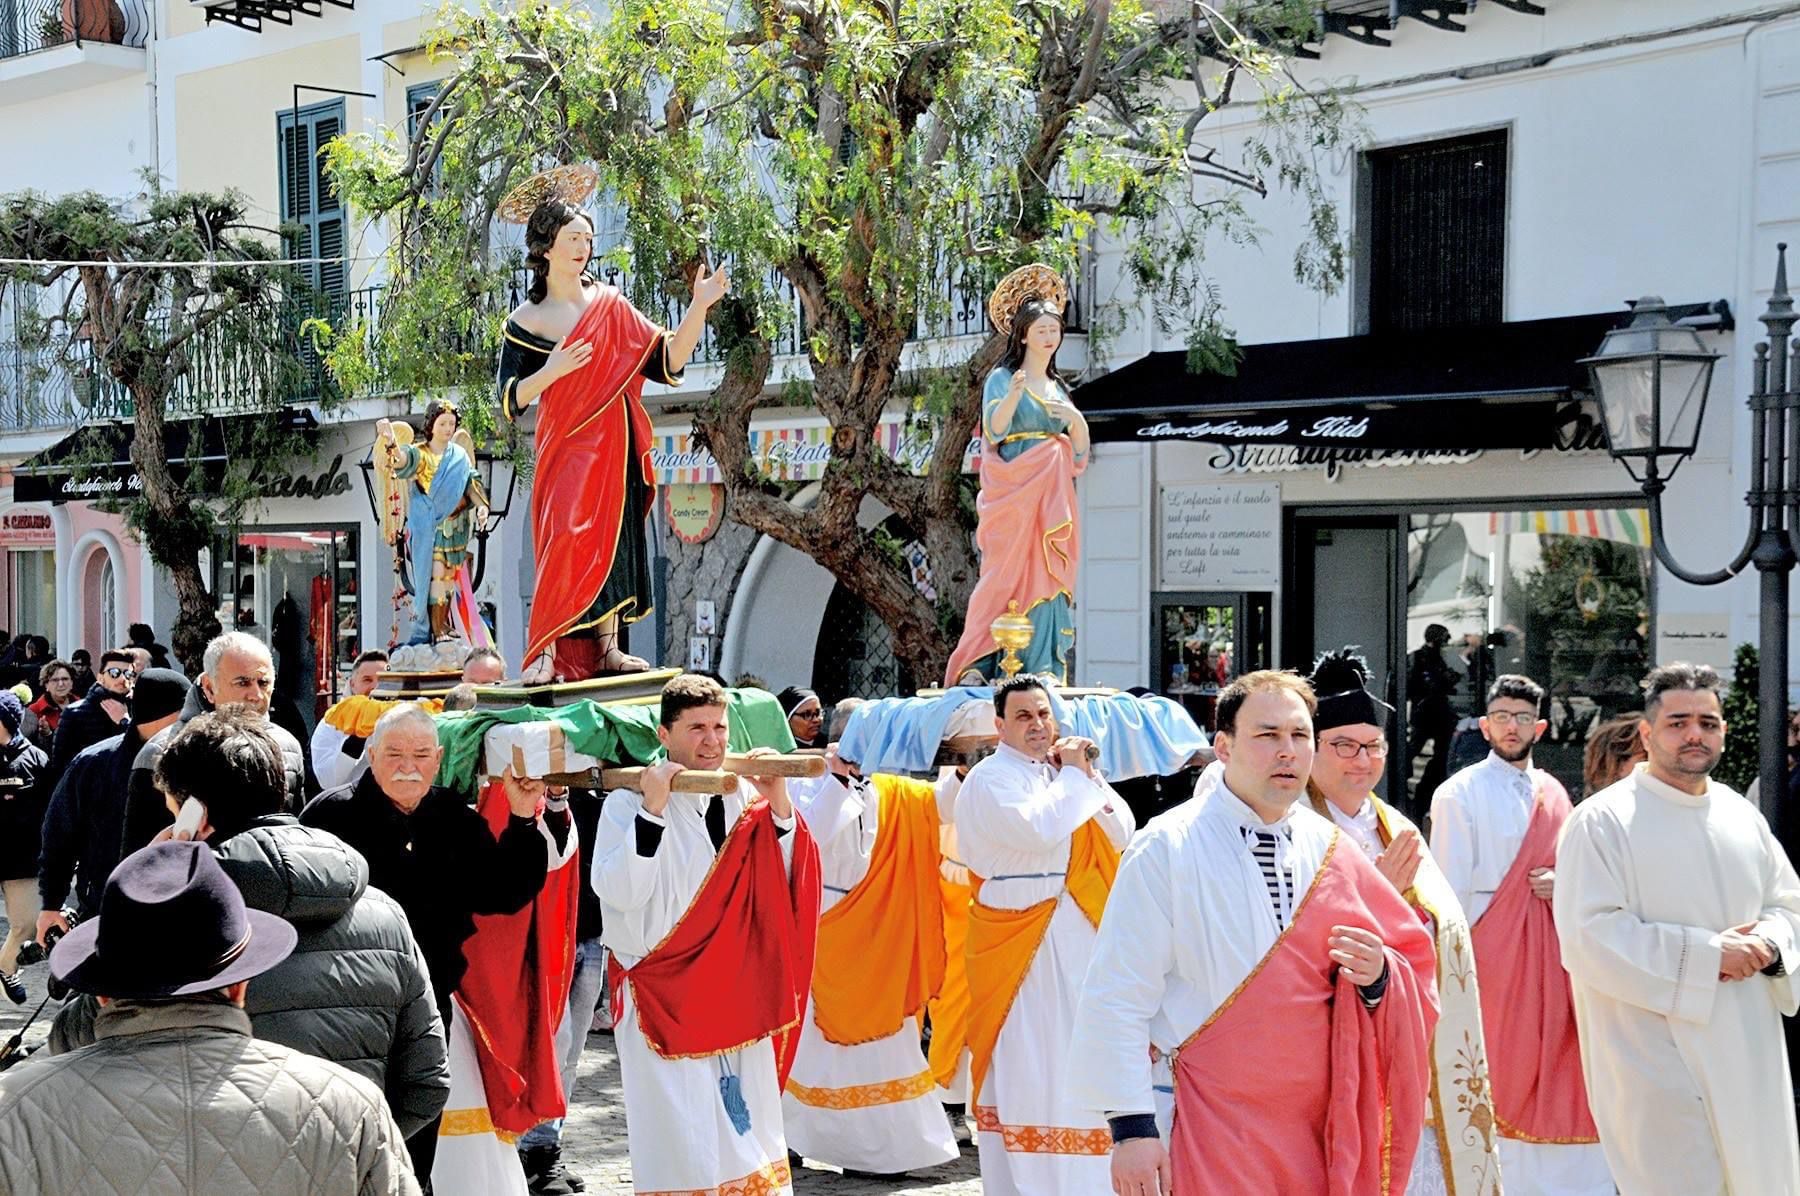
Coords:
pixel 1739 765
pixel 856 163
pixel 216 333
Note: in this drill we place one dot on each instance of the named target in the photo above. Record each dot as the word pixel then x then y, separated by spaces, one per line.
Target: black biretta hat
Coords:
pixel 1340 679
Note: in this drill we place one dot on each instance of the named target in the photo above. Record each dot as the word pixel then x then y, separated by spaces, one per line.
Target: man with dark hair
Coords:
pixel 176 1094
pixel 140 635
pixel 1494 829
pixel 484 666
pixel 1288 980
pixel 1044 831
pixel 84 826
pixel 1679 915
pixel 103 713
pixel 355 990
pixel 673 870
pixel 336 747
pixel 366 670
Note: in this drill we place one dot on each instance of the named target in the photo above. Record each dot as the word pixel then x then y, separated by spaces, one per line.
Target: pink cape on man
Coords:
pixel 1293 1085
pixel 1527 1009
pixel 1027 537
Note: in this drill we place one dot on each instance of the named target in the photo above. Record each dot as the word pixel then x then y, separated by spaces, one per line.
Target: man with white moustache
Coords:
pixel 433 853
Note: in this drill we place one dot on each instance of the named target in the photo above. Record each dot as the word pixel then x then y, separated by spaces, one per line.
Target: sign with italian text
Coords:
pixel 1221 537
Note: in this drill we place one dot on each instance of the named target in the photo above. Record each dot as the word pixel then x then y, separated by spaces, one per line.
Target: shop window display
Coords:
pixel 296 590
pixel 1562 596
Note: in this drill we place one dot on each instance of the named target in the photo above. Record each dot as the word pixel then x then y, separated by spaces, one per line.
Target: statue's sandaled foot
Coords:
pixel 541 671
pixel 616 660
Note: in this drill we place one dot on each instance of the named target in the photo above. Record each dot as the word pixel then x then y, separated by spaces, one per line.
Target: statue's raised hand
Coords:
pixel 710 288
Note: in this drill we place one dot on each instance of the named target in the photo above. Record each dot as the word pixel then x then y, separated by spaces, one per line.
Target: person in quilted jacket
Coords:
pixel 356 989
pixel 176 1097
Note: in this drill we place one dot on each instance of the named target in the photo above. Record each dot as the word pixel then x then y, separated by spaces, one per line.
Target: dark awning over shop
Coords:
pixel 94 462
pixel 1488 387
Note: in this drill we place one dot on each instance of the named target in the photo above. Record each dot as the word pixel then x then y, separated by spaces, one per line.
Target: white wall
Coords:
pixel 1670 166
pixel 92 138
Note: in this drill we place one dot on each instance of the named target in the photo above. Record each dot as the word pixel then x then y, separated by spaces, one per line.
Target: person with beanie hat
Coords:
pixel 805 715
pixel 1351 729
pixel 84 826
pixel 22 802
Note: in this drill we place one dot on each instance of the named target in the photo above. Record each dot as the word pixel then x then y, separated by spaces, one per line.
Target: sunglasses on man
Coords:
pixel 116 673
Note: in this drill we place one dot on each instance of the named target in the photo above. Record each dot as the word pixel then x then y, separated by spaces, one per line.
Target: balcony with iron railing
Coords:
pixel 47 384
pixel 47 46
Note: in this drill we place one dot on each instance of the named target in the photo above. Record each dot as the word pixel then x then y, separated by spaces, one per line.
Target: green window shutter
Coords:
pixel 307 197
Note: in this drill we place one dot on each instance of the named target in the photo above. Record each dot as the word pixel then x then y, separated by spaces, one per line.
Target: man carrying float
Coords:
pixel 710 903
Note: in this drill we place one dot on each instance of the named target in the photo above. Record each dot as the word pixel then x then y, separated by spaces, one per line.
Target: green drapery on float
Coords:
pixel 617 733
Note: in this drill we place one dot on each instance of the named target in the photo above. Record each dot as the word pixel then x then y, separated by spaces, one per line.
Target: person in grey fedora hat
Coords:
pixel 175 1096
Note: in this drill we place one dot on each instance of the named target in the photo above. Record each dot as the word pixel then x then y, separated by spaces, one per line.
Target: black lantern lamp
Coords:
pixel 1651 378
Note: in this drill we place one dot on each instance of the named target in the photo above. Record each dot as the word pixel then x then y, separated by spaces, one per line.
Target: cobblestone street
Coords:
pixel 594 1138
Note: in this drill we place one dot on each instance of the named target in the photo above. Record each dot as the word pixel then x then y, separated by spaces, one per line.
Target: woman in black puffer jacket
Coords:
pixel 355 990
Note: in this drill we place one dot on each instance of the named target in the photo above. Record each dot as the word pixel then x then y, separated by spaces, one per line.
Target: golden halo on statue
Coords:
pixel 572 184
pixel 1034 281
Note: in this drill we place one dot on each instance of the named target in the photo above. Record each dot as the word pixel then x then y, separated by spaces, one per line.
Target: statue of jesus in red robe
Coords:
pixel 582 353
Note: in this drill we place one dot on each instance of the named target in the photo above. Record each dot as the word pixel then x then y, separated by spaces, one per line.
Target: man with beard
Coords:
pixel 1679 914
pixel 1494 828
pixel 103 713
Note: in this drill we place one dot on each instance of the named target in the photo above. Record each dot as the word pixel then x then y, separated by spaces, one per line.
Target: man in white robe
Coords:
pixel 693 1124
pixel 1479 823
pixel 1018 817
pixel 1679 915
pixel 1205 896
pixel 869 1107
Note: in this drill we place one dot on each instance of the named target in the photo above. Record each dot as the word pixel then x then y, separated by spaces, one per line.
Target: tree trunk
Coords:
pixel 175 530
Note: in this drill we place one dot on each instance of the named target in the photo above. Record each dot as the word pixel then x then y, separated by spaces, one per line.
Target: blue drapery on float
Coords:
pixel 1137 736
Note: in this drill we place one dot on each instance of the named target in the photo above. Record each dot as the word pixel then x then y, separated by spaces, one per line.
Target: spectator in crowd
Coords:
pixel 431 852
pixel 1613 750
pixel 56 681
pixel 484 666
pixel 140 657
pixel 141 636
pixel 177 1096
pixel 83 828
pixel 366 670
pixel 461 697
pixel 805 715
pixel 355 990
pixel 83 664
pixel 236 670
pixel 22 802
pixel 1429 683
pixel 103 713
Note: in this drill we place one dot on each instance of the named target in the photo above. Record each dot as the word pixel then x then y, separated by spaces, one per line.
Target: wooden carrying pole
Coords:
pixel 697 780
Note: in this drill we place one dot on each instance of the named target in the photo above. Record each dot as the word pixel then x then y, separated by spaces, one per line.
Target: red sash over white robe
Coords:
pixel 1292 1085
pixel 737 967
pixel 1527 1009
pixel 516 990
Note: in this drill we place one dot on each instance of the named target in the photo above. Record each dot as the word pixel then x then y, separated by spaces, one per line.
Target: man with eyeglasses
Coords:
pixel 1457 1155
pixel 105 712
pixel 1494 828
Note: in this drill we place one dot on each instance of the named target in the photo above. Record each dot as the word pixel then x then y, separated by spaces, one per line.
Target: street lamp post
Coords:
pixel 1651 379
